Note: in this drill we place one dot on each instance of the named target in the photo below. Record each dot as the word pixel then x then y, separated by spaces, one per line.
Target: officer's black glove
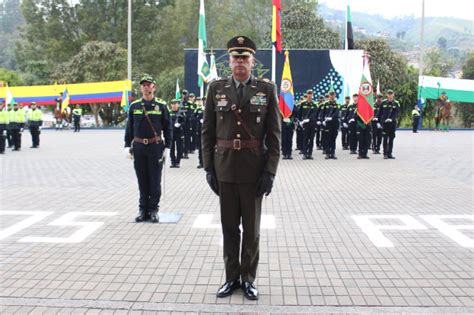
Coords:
pixel 265 184
pixel 212 181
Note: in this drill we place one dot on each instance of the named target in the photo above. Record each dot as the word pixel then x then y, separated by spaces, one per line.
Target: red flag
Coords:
pixel 365 105
pixel 276 30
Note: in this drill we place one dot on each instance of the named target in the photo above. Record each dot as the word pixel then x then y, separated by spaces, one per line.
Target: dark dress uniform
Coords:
pixel 388 117
pixel 299 130
pixel 306 110
pixel 319 127
pixel 352 128
pixel 148 150
pixel 363 137
pixel 240 160
pixel 376 129
pixel 177 119
pixel 330 114
pixel 287 131
pixel 198 117
pixel 188 109
pixel 344 126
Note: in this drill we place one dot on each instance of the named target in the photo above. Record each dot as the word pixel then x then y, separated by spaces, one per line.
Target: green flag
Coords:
pixel 203 67
pixel 177 94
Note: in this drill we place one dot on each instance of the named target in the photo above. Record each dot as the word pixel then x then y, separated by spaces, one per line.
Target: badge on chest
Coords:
pixel 221 100
pixel 259 99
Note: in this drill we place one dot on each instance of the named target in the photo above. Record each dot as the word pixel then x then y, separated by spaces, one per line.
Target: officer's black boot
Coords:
pixel 154 218
pixel 143 215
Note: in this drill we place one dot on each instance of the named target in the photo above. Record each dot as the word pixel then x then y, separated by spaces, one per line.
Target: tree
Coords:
pixel 468 67
pixel 442 43
pixel 10 77
pixel 466 110
pixel 303 28
pixel 10 20
pixel 437 63
pixel 96 62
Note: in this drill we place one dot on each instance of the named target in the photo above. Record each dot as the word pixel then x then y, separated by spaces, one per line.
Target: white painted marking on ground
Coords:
pixel 35 216
pixel 67 220
pixel 452 230
pixel 373 230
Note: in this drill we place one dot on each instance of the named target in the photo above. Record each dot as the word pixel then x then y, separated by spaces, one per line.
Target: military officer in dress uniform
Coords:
pixel 35 121
pixel 287 130
pixel 344 125
pixel 198 118
pixel 178 117
pixel 4 121
pixel 241 150
pixel 388 117
pixel 318 130
pixel 148 122
pixel 376 126
pixel 188 106
pixel 299 129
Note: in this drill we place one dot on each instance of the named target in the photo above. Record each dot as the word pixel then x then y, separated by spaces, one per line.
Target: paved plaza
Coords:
pixel 342 236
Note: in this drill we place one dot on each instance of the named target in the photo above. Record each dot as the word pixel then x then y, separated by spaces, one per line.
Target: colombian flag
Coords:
pixel 286 98
pixel 276 30
pixel 66 99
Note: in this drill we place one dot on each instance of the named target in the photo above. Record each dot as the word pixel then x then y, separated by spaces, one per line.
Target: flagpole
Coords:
pixel 129 41
pixel 273 63
pixel 422 35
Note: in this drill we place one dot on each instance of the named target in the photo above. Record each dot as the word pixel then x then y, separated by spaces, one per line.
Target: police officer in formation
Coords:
pixel 318 130
pixel 351 124
pixel 330 122
pixel 4 121
pixel 178 118
pixel 363 137
pixel 188 107
pixel 241 150
pixel 415 115
pixel 287 131
pixel 198 119
pixel 306 110
pixel 35 121
pixel 388 115
pixel 148 137
pixel 76 117
pixel 344 125
pixel 17 124
pixel 299 129
pixel 376 126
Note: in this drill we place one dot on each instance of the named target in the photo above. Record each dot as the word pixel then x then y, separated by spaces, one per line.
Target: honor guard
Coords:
pixel 299 129
pixel 287 130
pixel 35 121
pixel 148 122
pixel 76 117
pixel 363 137
pixel 187 128
pixel 415 115
pixel 318 130
pixel 351 124
pixel 388 117
pixel 307 109
pixel 178 118
pixel 344 124
pixel 241 150
pixel 198 118
pixel 330 125
pixel 376 126
pixel 4 121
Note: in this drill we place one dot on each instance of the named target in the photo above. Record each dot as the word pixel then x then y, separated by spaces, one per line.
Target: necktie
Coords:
pixel 240 91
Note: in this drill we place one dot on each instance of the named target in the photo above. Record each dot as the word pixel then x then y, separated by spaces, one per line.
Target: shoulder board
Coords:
pixel 160 101
pixel 397 103
pixel 136 102
pixel 265 80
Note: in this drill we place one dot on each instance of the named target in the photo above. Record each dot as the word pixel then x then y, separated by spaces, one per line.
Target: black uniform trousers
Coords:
pixel 3 139
pixel 388 137
pixel 9 138
pixel 35 133
pixel 318 136
pixel 197 136
pixel 331 130
pixel 238 205
pixel 308 138
pixel 287 138
pixel 16 138
pixel 363 136
pixel 344 137
pixel 194 137
pixel 352 130
pixel 77 125
pixel 416 121
pixel 376 137
pixel 176 152
pixel 299 138
pixel 187 137
pixel 147 160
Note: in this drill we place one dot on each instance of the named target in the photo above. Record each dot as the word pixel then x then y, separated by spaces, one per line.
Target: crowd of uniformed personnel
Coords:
pixel 13 122
pixel 319 122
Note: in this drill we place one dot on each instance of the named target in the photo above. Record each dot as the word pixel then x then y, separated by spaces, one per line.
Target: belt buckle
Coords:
pixel 237 144
pixel 145 141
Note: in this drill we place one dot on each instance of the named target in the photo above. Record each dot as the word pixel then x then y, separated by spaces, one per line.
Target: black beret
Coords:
pixel 354 95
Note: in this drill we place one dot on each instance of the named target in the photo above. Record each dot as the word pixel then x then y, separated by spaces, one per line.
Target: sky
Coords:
pixel 392 8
